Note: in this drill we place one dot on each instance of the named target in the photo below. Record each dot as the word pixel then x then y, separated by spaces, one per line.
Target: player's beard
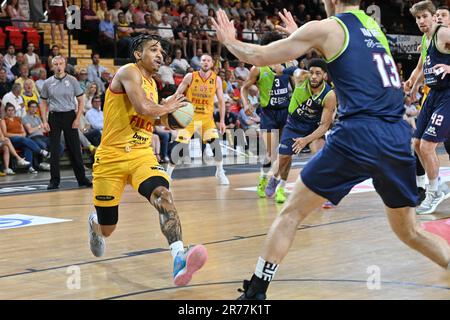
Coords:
pixel 315 86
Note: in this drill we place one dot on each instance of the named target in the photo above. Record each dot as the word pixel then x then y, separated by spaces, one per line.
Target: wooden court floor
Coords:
pixel 334 256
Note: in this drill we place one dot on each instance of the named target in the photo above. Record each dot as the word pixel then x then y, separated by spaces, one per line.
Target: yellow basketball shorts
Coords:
pixel 114 168
pixel 204 123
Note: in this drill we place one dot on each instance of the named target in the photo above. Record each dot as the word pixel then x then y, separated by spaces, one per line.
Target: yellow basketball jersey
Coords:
pixel 201 92
pixel 123 127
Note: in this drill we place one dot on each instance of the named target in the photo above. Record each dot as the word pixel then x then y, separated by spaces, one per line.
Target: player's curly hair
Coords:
pixel 138 44
pixel 319 63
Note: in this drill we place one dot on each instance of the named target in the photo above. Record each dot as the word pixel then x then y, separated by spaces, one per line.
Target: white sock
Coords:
pixel 219 166
pixel 421 181
pixel 265 270
pixel 282 183
pixel 263 174
pixel 434 183
pixel 170 169
pixel 176 247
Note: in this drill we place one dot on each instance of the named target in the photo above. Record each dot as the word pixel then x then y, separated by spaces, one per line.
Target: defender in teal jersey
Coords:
pixel 311 113
pixel 371 139
pixel 274 94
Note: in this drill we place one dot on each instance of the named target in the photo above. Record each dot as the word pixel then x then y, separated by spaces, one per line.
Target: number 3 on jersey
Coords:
pixel 387 69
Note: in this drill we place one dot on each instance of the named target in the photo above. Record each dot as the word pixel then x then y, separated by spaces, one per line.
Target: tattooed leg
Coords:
pixel 161 199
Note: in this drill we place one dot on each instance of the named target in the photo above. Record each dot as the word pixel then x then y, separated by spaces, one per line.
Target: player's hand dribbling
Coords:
pixel 174 102
pixel 289 22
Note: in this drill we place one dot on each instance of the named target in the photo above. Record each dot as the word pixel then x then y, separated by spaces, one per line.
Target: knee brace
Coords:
pixel 107 216
pixel 147 187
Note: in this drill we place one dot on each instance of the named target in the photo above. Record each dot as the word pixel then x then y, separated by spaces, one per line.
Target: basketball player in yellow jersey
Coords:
pixel 200 88
pixel 125 156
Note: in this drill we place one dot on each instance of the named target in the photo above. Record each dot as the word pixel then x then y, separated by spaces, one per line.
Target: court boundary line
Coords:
pixel 31 270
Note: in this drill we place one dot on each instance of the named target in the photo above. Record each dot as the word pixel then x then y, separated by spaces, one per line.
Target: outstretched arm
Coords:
pixel 131 81
pixel 252 79
pixel 184 84
pixel 315 34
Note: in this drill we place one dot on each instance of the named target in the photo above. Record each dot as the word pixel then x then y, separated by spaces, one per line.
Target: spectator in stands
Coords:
pixel 201 7
pixel 29 93
pixel 195 61
pixel 124 32
pixel 164 138
pixel 12 128
pixel 150 24
pixel 10 57
pixel 188 13
pixel 248 122
pixel 36 13
pixel 20 61
pixel 212 37
pixel 166 72
pixel 94 116
pixel 42 77
pixel 241 72
pixel 130 12
pixel 411 112
pixel 15 99
pixel 95 71
pixel 165 30
pixel 8 149
pixel 83 79
pixel 54 52
pixel 230 117
pixel 9 75
pixel 115 11
pixel 215 5
pixel 16 14
pixel 137 26
pixel 197 36
pixel 249 33
pixel 24 76
pixel 101 10
pixel 89 22
pixel 89 138
pixel 107 35
pixel 182 34
pixel 35 130
pixel 58 97
pixel 57 16
pixel 5 84
pixel 179 64
pixel 140 12
pixel 90 92
pixel 31 58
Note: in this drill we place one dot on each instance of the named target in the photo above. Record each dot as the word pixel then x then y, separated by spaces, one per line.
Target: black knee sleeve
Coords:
pixel 107 216
pixel 147 187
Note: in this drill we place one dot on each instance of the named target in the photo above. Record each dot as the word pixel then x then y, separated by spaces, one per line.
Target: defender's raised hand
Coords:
pixel 225 29
pixel 289 22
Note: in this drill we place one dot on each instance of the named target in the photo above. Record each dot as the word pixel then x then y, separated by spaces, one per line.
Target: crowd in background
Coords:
pixel 185 24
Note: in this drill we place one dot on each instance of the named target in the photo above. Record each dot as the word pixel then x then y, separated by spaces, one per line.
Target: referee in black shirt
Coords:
pixel 58 95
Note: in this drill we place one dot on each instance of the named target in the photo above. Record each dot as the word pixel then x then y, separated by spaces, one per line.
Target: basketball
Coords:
pixel 180 118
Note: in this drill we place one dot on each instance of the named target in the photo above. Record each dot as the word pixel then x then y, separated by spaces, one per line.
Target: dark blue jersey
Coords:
pixel 434 57
pixel 366 79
